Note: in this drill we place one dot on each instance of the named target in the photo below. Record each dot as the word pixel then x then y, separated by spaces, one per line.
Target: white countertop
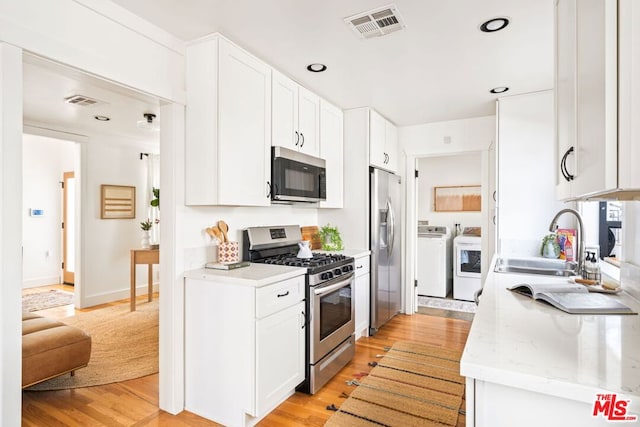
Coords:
pixel 256 274
pixel 519 342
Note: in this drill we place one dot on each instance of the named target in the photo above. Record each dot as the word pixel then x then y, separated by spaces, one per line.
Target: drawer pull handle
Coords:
pixel 283 295
pixel 360 266
pixel 304 320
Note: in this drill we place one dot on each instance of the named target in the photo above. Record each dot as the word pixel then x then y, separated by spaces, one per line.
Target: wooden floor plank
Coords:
pixel 135 402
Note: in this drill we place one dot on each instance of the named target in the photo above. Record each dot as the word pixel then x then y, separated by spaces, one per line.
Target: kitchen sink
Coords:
pixel 543 266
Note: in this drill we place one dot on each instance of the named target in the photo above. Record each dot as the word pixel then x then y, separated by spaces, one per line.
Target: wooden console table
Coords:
pixel 143 256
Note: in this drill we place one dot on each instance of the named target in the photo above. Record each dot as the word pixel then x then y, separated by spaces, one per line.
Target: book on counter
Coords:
pixel 572 298
pixel 227 265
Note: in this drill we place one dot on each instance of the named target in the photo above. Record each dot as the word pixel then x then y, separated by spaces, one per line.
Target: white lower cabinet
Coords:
pixel 279 367
pixel 496 405
pixel 362 294
pixel 244 348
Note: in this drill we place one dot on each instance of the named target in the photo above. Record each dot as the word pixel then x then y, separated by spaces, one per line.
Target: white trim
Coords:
pixel 111 296
pixel 42 130
pixel 172 182
pixel 10 233
pixel 40 281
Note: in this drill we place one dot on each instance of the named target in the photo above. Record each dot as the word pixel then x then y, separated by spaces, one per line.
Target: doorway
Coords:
pixel 68 228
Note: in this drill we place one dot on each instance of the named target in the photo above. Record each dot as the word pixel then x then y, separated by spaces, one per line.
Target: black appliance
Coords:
pixel 297 177
pixel 329 299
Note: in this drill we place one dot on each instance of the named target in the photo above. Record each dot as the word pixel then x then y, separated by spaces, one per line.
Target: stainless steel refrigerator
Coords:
pixel 385 202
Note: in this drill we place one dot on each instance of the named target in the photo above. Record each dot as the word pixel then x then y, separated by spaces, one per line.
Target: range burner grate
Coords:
pixel 292 260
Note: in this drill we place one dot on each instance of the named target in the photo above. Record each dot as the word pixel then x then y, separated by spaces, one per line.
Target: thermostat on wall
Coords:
pixel 36 212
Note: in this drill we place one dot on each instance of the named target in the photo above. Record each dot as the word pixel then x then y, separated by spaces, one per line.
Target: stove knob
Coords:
pixel 337 272
pixel 329 275
pixel 324 276
pixel 345 269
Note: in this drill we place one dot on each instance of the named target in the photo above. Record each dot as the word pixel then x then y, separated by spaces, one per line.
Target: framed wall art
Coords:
pixel 464 198
pixel 117 202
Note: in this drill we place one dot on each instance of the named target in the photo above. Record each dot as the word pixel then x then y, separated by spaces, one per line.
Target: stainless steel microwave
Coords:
pixel 297 177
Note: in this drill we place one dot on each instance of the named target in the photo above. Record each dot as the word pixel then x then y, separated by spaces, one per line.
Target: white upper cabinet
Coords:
pixel 383 143
pixel 593 110
pixel 331 149
pixel 228 125
pixel 296 116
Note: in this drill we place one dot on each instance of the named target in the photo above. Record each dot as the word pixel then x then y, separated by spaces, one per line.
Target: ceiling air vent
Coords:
pixel 377 22
pixel 82 100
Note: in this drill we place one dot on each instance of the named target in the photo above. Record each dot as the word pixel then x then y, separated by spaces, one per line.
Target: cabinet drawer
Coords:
pixel 362 266
pixel 273 298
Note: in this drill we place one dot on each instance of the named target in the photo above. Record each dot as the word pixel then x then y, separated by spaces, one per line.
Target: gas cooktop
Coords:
pixel 318 260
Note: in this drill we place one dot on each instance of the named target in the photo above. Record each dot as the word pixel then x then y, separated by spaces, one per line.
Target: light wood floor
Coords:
pixel 135 402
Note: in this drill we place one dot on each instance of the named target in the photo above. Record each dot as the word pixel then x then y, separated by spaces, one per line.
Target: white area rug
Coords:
pixel 447 304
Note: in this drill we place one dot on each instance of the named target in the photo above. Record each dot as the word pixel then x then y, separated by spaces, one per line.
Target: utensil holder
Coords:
pixel 228 252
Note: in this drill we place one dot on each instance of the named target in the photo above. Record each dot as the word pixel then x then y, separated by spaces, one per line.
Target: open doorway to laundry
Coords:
pixel 448 247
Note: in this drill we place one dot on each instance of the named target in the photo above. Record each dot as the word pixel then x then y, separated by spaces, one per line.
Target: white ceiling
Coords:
pixel 440 67
pixel 47 84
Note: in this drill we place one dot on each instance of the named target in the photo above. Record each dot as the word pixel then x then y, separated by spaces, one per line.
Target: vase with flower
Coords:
pixel 146 237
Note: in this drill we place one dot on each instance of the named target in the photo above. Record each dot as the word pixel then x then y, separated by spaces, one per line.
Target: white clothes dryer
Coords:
pixel 467 251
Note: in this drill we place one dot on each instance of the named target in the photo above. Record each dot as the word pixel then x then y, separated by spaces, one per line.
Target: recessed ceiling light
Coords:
pixel 499 89
pixel 494 24
pixel 316 68
pixel 102 118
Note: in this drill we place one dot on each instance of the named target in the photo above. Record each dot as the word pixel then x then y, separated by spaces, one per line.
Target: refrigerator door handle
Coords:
pixel 391 228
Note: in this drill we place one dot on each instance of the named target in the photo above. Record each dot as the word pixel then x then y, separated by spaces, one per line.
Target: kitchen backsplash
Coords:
pixel 200 248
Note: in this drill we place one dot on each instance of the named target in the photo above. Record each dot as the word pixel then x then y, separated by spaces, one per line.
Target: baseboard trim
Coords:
pixel 40 281
pixel 92 300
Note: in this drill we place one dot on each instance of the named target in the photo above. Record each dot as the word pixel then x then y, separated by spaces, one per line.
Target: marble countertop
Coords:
pixel 518 342
pixel 255 275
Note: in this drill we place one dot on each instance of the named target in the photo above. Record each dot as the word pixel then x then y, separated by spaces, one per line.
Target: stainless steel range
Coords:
pixel 330 342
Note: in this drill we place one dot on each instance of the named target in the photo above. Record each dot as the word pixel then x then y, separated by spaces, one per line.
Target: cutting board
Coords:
pixel 310 233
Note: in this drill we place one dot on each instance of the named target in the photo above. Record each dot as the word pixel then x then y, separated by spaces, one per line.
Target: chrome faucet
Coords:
pixel 552 228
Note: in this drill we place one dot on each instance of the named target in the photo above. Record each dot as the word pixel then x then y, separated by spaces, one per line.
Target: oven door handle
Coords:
pixel 328 289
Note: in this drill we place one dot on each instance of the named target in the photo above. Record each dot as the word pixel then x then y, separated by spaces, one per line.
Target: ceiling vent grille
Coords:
pixel 82 100
pixel 377 22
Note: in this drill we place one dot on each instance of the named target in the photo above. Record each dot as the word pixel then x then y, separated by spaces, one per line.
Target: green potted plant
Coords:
pixel 330 238
pixel 550 247
pixel 146 237
pixel 155 202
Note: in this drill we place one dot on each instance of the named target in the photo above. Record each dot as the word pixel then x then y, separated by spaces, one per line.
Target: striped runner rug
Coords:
pixel 412 385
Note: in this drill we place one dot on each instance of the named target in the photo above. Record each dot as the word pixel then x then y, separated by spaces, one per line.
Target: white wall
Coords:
pixel 44 160
pixel 432 139
pixel 443 171
pixel 131 52
pixel 466 135
pixel 200 248
pixel 106 243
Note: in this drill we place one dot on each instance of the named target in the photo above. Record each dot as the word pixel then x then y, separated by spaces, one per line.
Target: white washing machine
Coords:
pixel 466 266
pixel 434 260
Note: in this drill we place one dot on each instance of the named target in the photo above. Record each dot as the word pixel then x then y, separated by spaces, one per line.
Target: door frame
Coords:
pixel 68 277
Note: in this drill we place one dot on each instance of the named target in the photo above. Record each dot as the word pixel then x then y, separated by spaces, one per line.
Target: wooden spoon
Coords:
pixel 224 228
pixel 214 232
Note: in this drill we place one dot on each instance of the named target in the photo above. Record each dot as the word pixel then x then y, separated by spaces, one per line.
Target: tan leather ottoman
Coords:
pixel 51 348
